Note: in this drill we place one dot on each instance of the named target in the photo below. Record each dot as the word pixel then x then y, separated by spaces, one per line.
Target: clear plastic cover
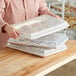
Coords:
pixel 40 26
pixel 39 51
pixel 52 41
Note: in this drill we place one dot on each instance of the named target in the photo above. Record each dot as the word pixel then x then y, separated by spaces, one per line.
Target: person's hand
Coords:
pixel 11 31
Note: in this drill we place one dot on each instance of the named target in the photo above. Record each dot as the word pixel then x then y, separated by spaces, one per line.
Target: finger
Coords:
pixel 15 34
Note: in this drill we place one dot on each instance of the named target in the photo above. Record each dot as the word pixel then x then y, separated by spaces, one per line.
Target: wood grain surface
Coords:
pixel 17 63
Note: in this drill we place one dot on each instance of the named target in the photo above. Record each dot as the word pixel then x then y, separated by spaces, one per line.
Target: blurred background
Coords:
pixel 67 10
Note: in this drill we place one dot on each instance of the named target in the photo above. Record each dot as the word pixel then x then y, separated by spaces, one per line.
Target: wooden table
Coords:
pixel 17 63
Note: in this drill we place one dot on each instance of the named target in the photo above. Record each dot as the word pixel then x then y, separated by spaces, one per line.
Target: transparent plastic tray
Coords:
pixel 51 41
pixel 39 51
pixel 40 26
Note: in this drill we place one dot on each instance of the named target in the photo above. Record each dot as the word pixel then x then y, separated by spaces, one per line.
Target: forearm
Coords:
pixel 3 35
pixel 3 39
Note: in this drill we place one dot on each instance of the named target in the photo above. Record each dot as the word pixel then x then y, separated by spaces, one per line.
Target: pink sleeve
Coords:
pixel 43 9
pixel 2 12
pixel 3 36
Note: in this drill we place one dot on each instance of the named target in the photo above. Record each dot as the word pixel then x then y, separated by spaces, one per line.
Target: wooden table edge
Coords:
pixel 54 67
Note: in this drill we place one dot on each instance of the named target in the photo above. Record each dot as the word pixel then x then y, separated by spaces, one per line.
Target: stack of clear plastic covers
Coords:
pixel 51 41
pixel 38 36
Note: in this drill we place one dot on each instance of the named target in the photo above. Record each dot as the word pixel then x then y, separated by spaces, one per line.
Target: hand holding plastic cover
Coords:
pixel 40 26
